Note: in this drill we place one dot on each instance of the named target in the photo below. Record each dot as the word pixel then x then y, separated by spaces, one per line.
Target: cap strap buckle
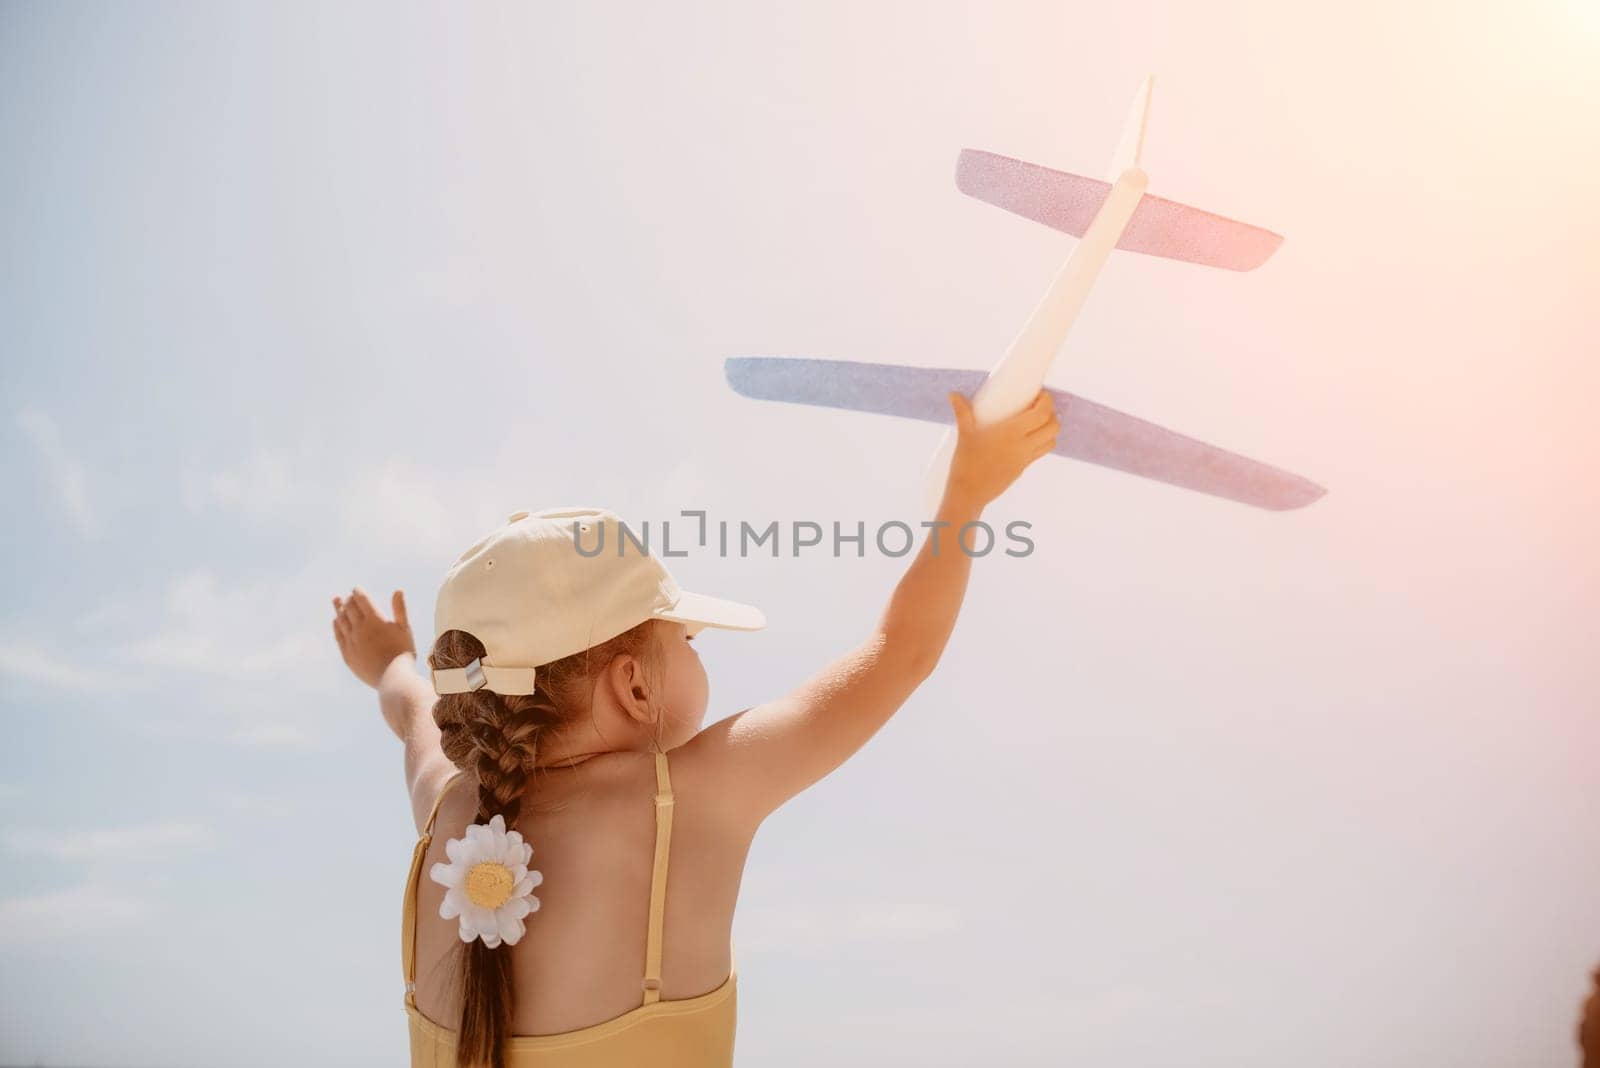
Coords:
pixel 476 675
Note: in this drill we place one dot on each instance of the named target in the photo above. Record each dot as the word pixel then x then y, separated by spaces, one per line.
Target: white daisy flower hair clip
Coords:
pixel 487 883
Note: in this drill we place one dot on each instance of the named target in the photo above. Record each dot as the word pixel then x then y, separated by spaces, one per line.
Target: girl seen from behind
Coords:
pixel 581 833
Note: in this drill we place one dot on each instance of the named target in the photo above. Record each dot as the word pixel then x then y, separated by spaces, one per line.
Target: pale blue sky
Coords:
pixel 294 297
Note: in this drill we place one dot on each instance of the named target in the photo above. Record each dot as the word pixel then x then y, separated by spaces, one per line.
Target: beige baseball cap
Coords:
pixel 553 583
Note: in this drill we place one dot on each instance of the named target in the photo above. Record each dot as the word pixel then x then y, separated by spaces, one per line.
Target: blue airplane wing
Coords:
pixel 1090 432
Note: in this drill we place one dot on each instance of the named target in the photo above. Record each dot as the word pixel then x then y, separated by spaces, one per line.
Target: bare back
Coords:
pixel 592 828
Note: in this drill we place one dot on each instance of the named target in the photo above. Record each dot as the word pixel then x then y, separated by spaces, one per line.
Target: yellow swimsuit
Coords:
pixel 684 1032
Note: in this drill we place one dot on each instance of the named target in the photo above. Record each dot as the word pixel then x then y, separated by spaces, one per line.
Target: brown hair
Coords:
pixel 496 737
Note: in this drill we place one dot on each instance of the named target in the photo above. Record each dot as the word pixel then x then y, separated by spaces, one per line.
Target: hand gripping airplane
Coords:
pixel 1116 213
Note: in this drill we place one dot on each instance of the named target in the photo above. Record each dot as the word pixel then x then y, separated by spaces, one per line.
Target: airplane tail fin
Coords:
pixel 1068 202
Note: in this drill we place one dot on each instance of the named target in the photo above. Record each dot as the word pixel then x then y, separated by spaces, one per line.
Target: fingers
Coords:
pixel 1041 438
pixel 346 615
pixel 360 605
pixel 1040 412
pixel 359 609
pixel 1046 432
pixel 963 411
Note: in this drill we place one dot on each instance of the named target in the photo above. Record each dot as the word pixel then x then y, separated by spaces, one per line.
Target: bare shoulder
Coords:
pixel 754 761
pixel 427 791
pixel 702 782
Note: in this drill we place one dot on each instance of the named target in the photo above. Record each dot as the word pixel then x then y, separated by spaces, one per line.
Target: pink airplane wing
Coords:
pixel 1068 202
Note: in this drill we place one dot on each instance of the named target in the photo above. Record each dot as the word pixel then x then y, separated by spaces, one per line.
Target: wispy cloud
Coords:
pixel 392 508
pixel 78 910
pixel 252 662
pixel 33 663
pixel 263 486
pixel 252 656
pixel 401 510
pixel 160 839
pixel 272 734
pixel 71 485
pixel 107 616
pixel 246 631
pixel 262 806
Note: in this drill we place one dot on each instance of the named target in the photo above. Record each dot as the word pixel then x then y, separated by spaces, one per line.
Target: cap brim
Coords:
pixel 698 611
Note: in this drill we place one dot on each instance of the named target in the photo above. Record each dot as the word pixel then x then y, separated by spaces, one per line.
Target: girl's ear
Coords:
pixel 626 678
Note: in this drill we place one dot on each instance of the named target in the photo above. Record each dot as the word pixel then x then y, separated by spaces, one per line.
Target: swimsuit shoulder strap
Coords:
pixel 658 881
pixel 433 813
pixel 408 912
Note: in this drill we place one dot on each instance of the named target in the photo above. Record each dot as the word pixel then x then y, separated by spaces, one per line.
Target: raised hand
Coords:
pixel 988 459
pixel 367 641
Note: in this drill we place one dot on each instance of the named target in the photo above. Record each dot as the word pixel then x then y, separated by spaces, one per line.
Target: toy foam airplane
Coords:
pixel 1103 215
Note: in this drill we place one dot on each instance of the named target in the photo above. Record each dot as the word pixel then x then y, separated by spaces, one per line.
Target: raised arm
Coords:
pixel 761 757
pixel 381 653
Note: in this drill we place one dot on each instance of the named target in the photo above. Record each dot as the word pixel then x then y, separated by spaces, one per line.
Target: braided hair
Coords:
pixel 496 737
